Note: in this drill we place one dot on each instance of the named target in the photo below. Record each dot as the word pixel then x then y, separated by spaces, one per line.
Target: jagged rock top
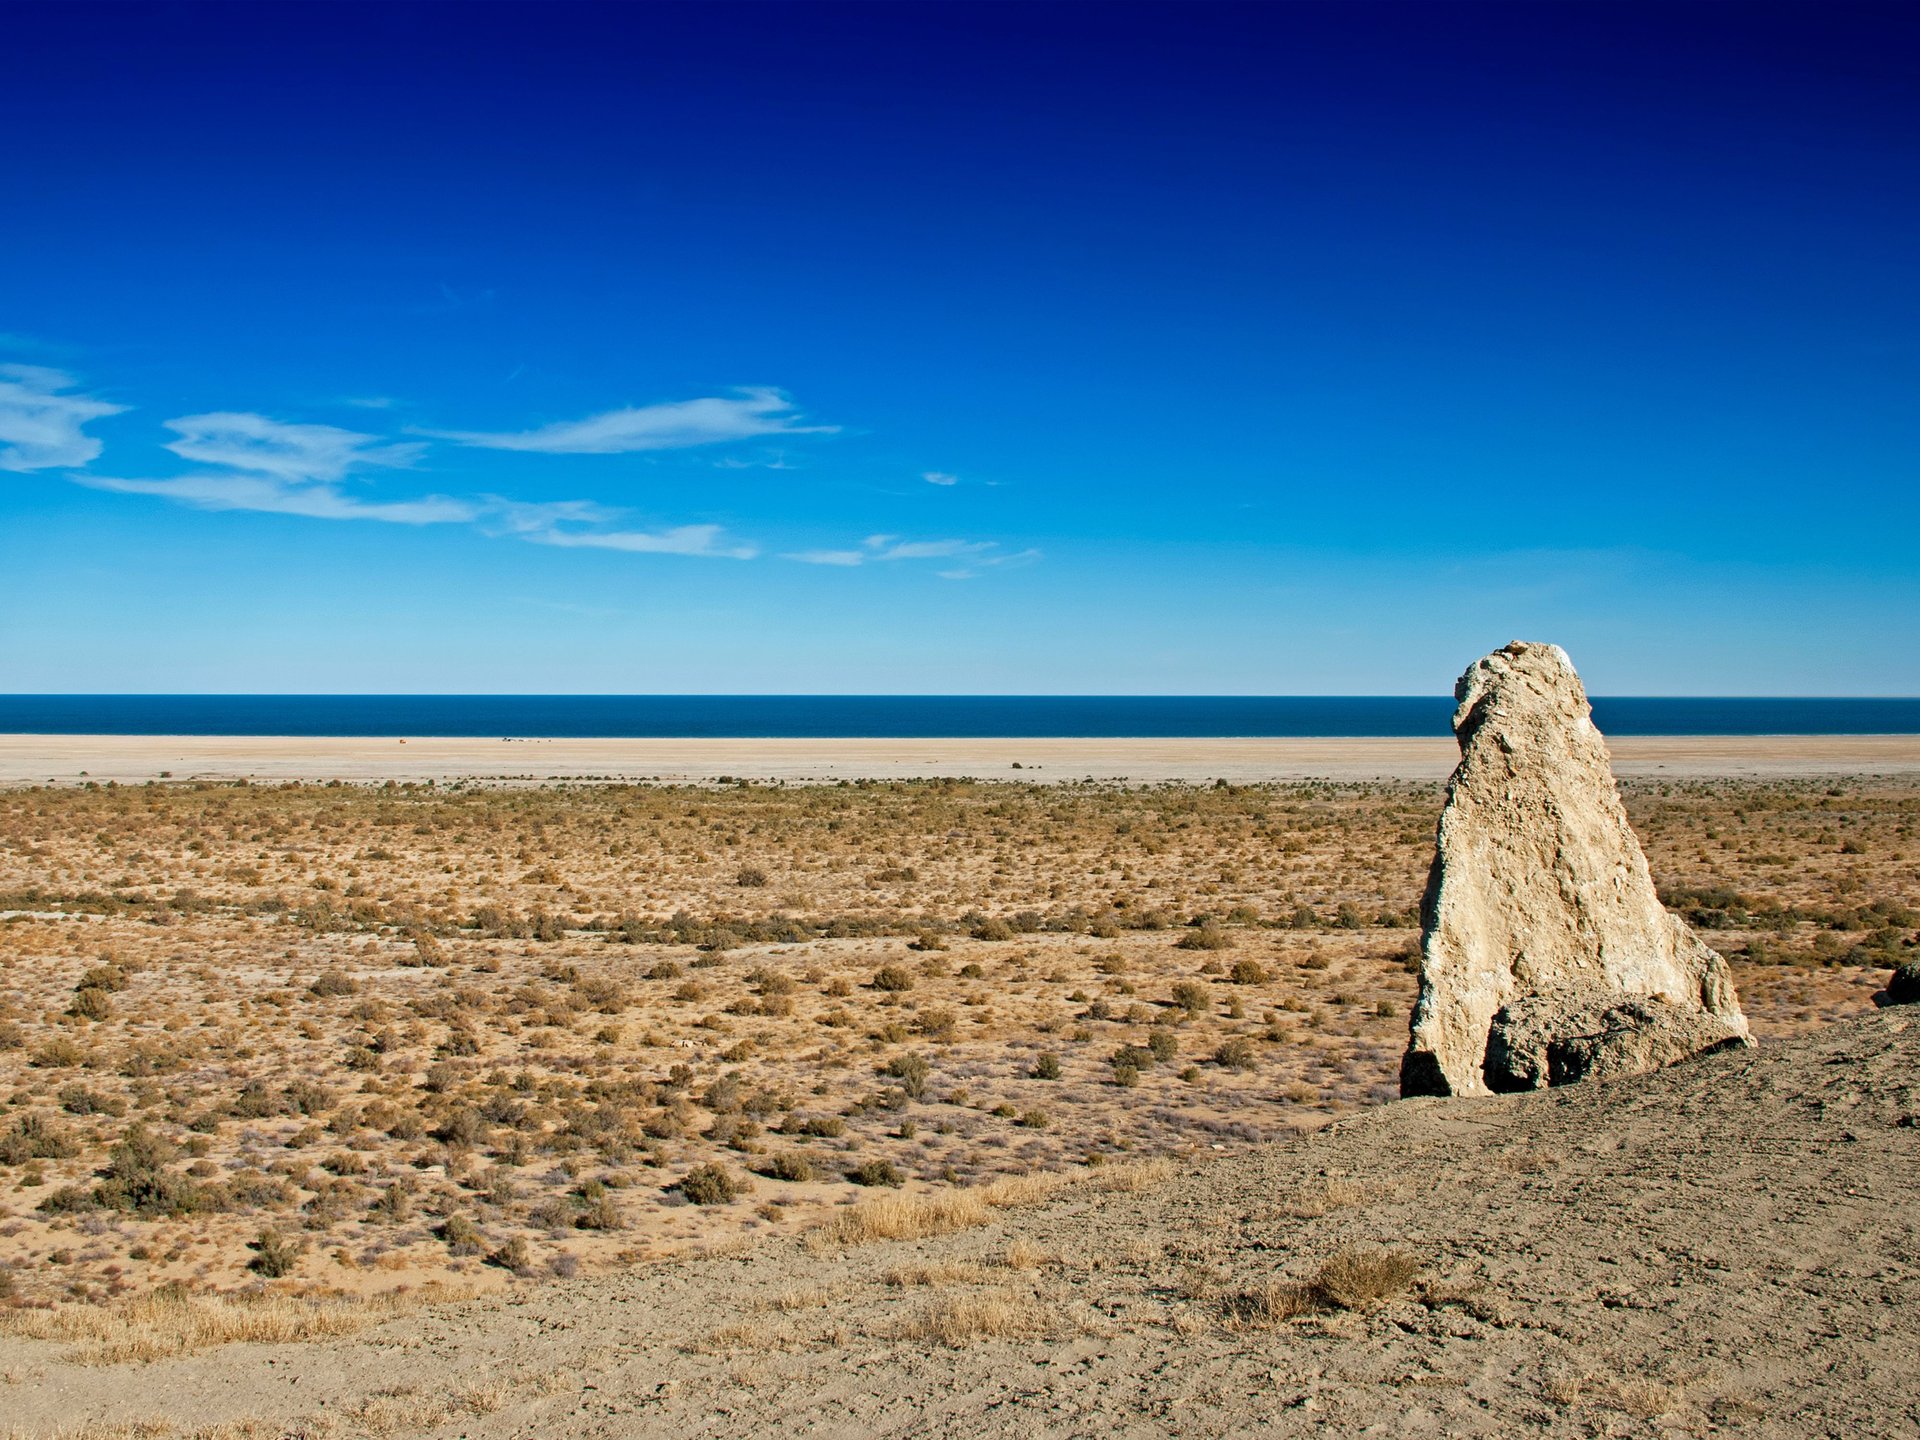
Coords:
pixel 1539 887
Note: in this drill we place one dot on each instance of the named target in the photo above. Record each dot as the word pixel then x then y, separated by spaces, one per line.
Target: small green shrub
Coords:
pixel 1236 1053
pixel 1208 936
pixel 91 1003
pixel 789 1165
pixel 911 1070
pixel 709 1185
pixel 273 1256
pixel 516 1255
pixel 136 1178
pixel 876 1172
pixel 34 1137
pixel 462 1236
pixel 1192 997
pixel 601 1214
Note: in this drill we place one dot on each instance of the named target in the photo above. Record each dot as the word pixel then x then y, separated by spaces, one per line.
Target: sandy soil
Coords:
pixel 38 759
pixel 480 1037
pixel 407 1030
pixel 1729 1246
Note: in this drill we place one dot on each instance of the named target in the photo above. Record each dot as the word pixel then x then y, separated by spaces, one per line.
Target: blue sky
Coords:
pixel 897 348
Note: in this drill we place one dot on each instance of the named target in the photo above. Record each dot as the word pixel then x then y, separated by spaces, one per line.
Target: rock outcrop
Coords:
pixel 1903 986
pixel 1546 956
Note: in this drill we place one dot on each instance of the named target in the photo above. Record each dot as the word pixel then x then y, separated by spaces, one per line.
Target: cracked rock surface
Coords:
pixel 1546 955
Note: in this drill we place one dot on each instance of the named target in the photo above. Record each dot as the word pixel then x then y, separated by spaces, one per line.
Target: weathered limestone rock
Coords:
pixel 1546 956
pixel 1592 1034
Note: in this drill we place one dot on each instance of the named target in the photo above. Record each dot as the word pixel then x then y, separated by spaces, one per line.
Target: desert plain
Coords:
pixel 289 1057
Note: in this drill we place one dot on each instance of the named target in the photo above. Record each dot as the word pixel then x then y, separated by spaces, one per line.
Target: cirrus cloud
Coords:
pixel 279 468
pixel 276 497
pixel 704 540
pixel 240 440
pixel 750 413
pixel 969 556
pixel 41 426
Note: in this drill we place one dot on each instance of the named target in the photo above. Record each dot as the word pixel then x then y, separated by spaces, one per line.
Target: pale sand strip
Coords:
pixel 37 759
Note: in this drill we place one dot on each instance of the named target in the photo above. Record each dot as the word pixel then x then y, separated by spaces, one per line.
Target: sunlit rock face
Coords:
pixel 1546 956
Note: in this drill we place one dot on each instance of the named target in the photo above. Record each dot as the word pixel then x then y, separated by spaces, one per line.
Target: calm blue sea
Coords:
pixel 876 716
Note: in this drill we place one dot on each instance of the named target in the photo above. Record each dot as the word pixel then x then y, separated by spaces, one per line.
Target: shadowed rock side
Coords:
pixel 1546 956
pixel 1903 986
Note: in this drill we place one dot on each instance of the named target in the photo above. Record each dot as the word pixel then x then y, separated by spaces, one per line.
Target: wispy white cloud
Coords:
pixel 41 426
pixel 828 557
pixel 735 462
pixel 675 425
pixel 705 540
pixel 273 496
pixel 556 522
pixel 247 461
pixel 940 477
pixel 531 517
pixel 972 555
pixel 890 547
pixel 538 523
pixel 977 563
pixel 296 454
pixel 278 468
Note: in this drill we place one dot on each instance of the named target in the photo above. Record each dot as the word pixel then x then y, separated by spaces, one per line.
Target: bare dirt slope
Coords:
pixel 1731 1245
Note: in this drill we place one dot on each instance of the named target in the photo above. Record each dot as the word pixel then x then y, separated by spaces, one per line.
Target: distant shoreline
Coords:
pixel 27 759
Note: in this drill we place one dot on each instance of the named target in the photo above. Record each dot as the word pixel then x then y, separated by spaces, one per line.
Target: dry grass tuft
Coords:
pixel 995 1315
pixel 1022 1254
pixel 1349 1280
pixel 1360 1279
pixel 941 1272
pixel 1135 1179
pixel 155 1326
pixel 788 1301
pixel 920 1216
pixel 1187 1322
pixel 1273 1303
pixel 901 1217
pixel 153 1429
pixel 745 1336
pixel 1321 1197
pixel 397 1412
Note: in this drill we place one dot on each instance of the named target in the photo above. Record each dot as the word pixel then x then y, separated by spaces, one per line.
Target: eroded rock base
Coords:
pixel 1557 1039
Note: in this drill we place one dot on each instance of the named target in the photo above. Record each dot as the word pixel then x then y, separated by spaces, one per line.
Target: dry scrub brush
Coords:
pixel 156 1326
pixel 1351 1279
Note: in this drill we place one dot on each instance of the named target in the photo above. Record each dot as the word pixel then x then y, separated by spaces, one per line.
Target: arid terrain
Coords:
pixel 353 1048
